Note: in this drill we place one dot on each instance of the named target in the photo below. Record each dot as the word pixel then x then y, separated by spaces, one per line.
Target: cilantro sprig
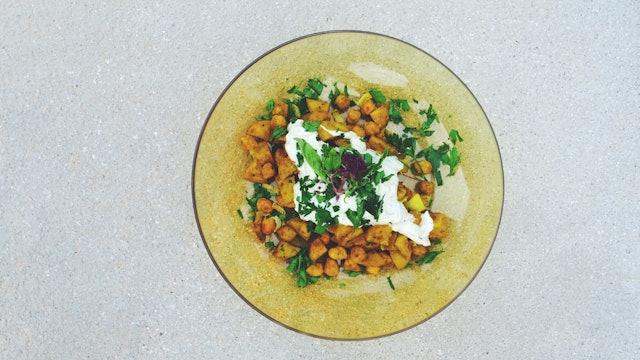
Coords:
pixel 298 267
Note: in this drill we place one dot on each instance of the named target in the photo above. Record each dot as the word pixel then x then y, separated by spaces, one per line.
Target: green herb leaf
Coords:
pixel 390 283
pixel 377 96
pixel 312 157
pixel 311 126
pixel 454 136
pixel 270 245
pixel 278 131
pixel 352 273
pixel 240 214
pixel 429 257
pixel 270 105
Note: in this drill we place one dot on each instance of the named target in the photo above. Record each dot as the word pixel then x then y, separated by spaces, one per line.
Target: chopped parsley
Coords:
pixel 278 131
pixel 377 96
pixel 429 257
pixel 390 283
pixel 298 267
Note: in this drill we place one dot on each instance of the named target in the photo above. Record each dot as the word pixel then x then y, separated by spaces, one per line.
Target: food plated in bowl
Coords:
pixel 289 185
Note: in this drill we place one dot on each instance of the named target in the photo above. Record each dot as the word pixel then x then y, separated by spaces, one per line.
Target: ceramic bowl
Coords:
pixel 365 306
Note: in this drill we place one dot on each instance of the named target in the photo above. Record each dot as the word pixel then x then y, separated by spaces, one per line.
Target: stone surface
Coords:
pixel 101 106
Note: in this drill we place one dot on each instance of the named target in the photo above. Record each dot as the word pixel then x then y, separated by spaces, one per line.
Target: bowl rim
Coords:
pixel 206 122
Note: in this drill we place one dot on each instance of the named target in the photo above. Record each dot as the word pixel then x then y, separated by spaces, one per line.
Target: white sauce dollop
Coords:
pixel 393 211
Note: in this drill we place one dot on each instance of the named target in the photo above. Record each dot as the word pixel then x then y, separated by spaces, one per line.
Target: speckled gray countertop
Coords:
pixel 100 111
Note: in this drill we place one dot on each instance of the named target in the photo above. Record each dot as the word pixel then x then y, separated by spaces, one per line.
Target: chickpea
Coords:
pixel 264 205
pixel 421 167
pixel 268 226
pixel 342 102
pixel 425 187
pixel 331 267
pixel 353 116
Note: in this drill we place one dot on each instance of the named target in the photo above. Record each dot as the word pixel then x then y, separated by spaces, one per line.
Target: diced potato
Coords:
pixel 359 130
pixel 285 250
pixel 381 115
pixel 418 250
pixel 331 267
pixel 300 226
pixel 344 234
pixel 357 254
pixel 248 142
pixel 376 259
pixel 286 233
pixel 261 153
pixel 280 108
pixel 317 105
pixel 253 173
pixel 325 238
pixel 402 245
pixel 378 144
pixel 373 270
pixel 399 260
pixel 317 249
pixel 285 191
pixel 315 270
pixel 371 128
pixel 267 170
pixel 415 203
pixel 324 135
pixel 439 226
pixel 368 107
pixel 421 167
pixel 338 253
pixel 317 116
pixel 351 265
pixel 261 129
pixel 278 120
pixel 378 234
pixel 286 167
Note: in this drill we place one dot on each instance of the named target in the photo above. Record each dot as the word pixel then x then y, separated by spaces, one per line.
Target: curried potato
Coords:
pixel 286 233
pixel 375 258
pixel 253 173
pixel 330 125
pixel 300 226
pixel 345 234
pixel 399 261
pixel 381 115
pixel 285 191
pixel 338 253
pixel 261 153
pixel 286 167
pixel 439 226
pixel 261 129
pixel 317 249
pixel 357 254
pixel 378 234
pixel 285 250
pixel 315 269
pixel 331 267
pixel 317 105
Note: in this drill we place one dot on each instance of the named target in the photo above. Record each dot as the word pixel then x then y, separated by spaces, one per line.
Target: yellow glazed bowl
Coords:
pixel 365 306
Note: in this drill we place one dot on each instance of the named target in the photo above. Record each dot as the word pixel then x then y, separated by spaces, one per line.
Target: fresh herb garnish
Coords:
pixel 311 126
pixel 390 283
pixel 270 105
pixel 298 267
pixel 377 96
pixel 429 257
pixel 240 214
pixel 259 192
pixel 270 245
pixel 454 136
pixel 352 273
pixel 278 131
